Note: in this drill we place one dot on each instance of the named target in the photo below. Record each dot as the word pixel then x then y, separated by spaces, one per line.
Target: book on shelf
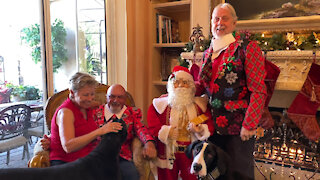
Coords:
pixel 157 25
pixel 164 34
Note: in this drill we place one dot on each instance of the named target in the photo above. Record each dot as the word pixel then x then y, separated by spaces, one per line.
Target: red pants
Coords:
pixel 181 167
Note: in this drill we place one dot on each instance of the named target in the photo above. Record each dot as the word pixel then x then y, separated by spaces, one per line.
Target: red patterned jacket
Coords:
pixel 132 117
pixel 234 81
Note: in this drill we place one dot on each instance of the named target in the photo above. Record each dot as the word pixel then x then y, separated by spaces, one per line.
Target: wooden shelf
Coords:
pixel 160 45
pixel 180 13
pixel 160 83
pixel 176 6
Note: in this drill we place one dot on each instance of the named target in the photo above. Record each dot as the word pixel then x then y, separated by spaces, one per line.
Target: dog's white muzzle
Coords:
pixel 198 165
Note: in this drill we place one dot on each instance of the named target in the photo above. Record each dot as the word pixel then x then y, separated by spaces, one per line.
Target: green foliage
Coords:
pixel 93 64
pixel 183 62
pixel 205 44
pixel 24 92
pixel 31 36
pixel 280 41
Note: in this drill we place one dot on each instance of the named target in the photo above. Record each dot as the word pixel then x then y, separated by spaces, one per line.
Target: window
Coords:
pixel 78 43
pixel 85 47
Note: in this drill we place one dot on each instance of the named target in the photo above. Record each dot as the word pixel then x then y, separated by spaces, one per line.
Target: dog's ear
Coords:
pixel 123 132
pixel 190 147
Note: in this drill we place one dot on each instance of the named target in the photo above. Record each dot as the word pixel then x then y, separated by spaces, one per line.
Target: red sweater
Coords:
pixel 82 126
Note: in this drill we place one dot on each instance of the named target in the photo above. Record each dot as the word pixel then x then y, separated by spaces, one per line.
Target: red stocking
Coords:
pixel 194 71
pixel 304 107
pixel 273 72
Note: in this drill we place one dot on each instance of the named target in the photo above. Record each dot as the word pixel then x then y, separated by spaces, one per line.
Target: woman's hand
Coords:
pixel 45 143
pixel 110 127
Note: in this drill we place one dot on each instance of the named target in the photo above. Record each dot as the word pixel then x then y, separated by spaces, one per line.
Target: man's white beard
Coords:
pixel 180 97
pixel 115 109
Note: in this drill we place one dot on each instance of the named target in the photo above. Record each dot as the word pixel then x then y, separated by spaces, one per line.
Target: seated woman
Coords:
pixel 73 131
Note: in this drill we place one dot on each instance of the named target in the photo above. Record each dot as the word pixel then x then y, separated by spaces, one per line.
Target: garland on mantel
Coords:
pixel 274 41
pixel 269 42
pixel 285 40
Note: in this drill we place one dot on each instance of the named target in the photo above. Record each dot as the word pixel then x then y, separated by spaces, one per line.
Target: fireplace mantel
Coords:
pixel 294 66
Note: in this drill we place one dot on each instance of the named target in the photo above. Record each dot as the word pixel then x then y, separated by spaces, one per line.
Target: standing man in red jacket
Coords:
pixel 233 77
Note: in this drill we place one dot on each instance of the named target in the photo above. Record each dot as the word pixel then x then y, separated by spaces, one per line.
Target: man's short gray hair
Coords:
pixel 80 80
pixel 229 7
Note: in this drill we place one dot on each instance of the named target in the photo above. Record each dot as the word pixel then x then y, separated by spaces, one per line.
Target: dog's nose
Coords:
pixel 197 167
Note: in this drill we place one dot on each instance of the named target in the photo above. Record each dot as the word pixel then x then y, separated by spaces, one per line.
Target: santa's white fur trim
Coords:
pixel 160 104
pixel 162 163
pixel 183 75
pixel 164 133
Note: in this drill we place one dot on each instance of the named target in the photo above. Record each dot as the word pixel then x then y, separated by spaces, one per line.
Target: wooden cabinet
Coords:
pixel 179 12
pixel 185 14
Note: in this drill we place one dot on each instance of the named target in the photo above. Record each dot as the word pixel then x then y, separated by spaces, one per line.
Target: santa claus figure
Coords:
pixel 176 120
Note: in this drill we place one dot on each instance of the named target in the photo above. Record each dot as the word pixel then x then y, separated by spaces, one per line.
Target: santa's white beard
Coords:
pixel 180 97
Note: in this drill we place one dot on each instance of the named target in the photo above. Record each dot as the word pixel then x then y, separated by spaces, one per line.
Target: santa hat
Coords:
pixel 180 72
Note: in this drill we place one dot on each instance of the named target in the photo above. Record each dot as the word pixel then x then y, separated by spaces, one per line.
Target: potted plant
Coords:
pixel 22 93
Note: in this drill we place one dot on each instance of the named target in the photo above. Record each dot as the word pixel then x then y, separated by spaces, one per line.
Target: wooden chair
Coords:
pixel 57 99
pixel 14 121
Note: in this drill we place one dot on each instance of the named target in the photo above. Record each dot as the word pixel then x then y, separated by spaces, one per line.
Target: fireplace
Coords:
pixel 285 146
pixel 284 152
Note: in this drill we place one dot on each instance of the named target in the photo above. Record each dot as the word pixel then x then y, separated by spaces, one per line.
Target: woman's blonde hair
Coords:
pixel 80 80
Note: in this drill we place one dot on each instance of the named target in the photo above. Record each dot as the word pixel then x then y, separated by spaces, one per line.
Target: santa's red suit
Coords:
pixel 172 161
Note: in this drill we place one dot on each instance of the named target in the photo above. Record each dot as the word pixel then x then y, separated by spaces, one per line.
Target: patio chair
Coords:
pixel 36 127
pixel 14 121
pixel 5 95
pixel 57 99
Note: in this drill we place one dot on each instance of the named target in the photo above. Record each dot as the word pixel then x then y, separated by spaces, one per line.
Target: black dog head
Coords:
pixel 207 158
pixel 122 134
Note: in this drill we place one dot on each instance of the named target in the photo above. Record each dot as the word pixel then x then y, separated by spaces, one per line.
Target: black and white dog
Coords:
pixel 209 161
pixel 101 164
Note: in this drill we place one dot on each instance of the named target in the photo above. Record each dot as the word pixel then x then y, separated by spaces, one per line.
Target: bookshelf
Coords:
pixel 184 15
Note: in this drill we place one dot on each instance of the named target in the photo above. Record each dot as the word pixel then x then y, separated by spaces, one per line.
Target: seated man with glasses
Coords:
pixel 116 108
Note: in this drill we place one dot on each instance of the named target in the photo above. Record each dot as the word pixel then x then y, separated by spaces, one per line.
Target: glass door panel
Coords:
pixel 21 72
pixel 85 48
pixel 20 51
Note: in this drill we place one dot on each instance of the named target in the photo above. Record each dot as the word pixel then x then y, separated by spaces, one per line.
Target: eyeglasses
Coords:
pixel 181 82
pixel 114 96
pixel 222 19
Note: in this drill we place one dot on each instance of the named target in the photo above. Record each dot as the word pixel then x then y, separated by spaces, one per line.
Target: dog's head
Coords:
pixel 121 135
pixel 207 159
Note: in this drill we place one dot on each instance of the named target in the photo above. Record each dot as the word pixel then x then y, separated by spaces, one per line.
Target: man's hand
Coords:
pixel 45 143
pixel 149 150
pixel 246 134
pixel 173 133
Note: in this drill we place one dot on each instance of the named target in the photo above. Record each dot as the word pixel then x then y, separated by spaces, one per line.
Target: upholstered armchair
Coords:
pixel 39 159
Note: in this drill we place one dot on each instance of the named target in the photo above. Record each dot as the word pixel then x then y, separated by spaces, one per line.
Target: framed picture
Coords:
pixel 277 15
